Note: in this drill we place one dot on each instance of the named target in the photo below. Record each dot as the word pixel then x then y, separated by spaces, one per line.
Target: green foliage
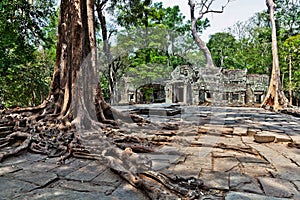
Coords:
pixel 27 85
pixel 251 48
pixel 148 65
pixel 147 93
pixel 135 13
pixel 24 71
pixel 153 40
pixel 253 53
pixel 222 47
pixel 104 86
pixel 287 14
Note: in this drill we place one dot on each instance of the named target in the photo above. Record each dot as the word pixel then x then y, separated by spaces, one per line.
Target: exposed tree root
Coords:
pixel 14 143
pixel 34 130
pixel 40 130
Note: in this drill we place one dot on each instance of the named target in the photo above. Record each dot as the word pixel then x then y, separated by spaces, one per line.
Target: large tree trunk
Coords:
pixel 76 49
pixel 75 87
pixel 275 97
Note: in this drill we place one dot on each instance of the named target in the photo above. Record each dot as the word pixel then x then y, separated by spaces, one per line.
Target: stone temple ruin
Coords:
pixel 188 86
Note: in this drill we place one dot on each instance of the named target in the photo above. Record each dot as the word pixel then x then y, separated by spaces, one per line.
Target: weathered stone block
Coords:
pixel 8 169
pixel 264 137
pixel 88 172
pixel 252 132
pixel 249 196
pixel 216 180
pixel 37 178
pixel 276 187
pixel 240 131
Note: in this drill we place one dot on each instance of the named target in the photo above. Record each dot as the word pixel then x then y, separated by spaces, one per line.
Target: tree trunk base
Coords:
pixel 275 100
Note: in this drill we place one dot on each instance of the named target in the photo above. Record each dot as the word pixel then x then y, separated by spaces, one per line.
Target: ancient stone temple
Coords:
pixel 215 85
pixel 191 86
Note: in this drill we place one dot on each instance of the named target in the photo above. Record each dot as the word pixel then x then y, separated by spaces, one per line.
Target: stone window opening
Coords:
pixel 257 98
pixel 208 95
pixel 225 96
pixel 235 96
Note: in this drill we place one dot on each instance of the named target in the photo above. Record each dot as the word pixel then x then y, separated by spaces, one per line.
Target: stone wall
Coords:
pixel 215 85
pixel 191 86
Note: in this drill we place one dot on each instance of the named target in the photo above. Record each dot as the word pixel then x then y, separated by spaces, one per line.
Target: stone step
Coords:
pixel 269 136
pixel 264 137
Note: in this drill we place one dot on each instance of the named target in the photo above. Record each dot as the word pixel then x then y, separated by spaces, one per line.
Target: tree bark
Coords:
pixel 275 97
pixel 75 88
pixel 76 40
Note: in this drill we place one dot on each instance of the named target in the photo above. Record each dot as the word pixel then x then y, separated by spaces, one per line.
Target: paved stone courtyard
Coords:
pixel 239 153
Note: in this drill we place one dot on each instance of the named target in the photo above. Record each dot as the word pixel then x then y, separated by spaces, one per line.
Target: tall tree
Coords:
pixel 275 97
pixel 129 14
pixel 254 44
pixel 75 99
pixel 203 7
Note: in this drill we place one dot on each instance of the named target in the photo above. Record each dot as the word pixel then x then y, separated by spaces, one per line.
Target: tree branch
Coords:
pixel 205 7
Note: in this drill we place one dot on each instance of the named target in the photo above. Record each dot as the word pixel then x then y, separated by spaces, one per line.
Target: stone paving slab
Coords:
pixel 10 187
pixel 215 180
pixel 62 194
pixel 219 148
pixel 249 196
pixel 87 173
pixel 242 182
pixel 291 153
pixel 23 158
pixel 70 166
pixel 276 187
pixel 8 169
pixel 77 179
pixel 284 167
pixel 85 186
pixel 240 131
pixel 37 178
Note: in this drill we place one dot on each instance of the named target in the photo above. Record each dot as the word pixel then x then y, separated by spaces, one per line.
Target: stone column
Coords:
pixel 124 91
pixel 185 96
pixel 195 94
pixel 169 93
pixel 230 97
pixel 243 98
